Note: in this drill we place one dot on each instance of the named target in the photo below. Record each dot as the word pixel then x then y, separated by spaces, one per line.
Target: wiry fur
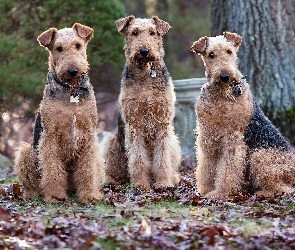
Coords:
pixel 238 149
pixel 65 155
pixel 146 106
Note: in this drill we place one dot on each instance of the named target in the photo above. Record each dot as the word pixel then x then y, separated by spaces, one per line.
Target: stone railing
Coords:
pixel 187 91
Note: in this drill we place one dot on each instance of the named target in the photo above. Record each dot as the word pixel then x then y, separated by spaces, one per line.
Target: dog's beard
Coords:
pixel 144 61
pixel 74 82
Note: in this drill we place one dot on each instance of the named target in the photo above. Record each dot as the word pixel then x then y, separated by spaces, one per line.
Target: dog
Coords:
pixel 238 148
pixel 64 156
pixel 145 148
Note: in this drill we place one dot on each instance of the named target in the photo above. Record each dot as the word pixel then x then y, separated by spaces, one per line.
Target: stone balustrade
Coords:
pixel 187 91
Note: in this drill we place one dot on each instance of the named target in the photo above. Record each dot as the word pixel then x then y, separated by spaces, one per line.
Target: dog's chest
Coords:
pixel 221 114
pixel 71 124
pixel 146 107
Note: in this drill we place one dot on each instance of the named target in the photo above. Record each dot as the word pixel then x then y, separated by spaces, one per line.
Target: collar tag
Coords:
pixel 238 86
pixel 74 99
pixel 153 73
pixel 238 90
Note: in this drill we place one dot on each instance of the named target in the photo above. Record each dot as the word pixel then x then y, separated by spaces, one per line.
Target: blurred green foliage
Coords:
pixel 23 63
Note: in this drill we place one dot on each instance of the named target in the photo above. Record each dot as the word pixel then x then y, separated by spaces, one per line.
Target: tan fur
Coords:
pixel 222 118
pixel 146 105
pixel 116 159
pixel 67 155
pixel 26 169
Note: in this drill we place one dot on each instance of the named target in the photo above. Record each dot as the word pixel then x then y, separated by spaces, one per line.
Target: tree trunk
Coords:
pixel 267 54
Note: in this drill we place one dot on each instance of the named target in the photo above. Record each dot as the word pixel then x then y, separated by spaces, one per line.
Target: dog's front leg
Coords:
pixel 162 160
pixel 88 173
pixel 230 169
pixel 207 158
pixel 54 175
pixel 138 160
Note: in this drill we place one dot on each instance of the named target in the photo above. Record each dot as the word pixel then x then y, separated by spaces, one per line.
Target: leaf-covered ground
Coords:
pixel 129 218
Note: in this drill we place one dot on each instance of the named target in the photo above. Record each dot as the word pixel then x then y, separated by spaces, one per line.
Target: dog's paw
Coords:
pixel 109 180
pixel 176 178
pixel 286 189
pixel 264 194
pixel 215 194
pixel 30 193
pixel 85 198
pixel 144 185
pixel 163 185
pixel 55 198
pixel 282 189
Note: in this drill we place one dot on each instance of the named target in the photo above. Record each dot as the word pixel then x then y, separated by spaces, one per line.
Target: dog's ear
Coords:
pixel 234 38
pixel 200 45
pixel 123 23
pixel 162 26
pixel 83 31
pixel 47 37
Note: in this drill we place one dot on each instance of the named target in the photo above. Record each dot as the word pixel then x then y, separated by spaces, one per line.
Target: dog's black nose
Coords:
pixel 224 77
pixel 144 52
pixel 73 71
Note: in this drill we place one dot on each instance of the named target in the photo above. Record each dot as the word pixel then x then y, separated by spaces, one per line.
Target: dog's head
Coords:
pixel 143 37
pixel 219 55
pixel 67 51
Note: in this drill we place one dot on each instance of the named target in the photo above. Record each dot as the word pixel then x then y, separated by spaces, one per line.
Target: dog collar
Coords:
pixel 83 80
pixel 74 98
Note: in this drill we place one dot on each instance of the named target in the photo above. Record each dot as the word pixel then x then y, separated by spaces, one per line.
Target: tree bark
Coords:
pixel 267 54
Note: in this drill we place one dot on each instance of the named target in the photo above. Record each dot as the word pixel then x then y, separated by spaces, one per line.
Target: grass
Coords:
pixel 8 180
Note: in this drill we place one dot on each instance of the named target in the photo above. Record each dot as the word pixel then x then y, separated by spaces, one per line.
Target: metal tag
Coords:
pixel 238 90
pixel 153 73
pixel 74 99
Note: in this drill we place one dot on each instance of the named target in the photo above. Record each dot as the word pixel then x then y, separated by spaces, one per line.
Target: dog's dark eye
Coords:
pixel 229 52
pixel 59 49
pixel 152 33
pixel 211 55
pixel 78 46
pixel 134 33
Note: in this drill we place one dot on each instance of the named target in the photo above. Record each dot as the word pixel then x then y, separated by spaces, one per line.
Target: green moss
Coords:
pixel 285 121
pixel 291 113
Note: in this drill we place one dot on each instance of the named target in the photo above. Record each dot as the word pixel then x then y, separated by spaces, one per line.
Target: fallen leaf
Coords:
pixel 4 214
pixel 145 228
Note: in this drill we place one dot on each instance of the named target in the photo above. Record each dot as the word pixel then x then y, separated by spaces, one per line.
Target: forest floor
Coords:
pixel 128 218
